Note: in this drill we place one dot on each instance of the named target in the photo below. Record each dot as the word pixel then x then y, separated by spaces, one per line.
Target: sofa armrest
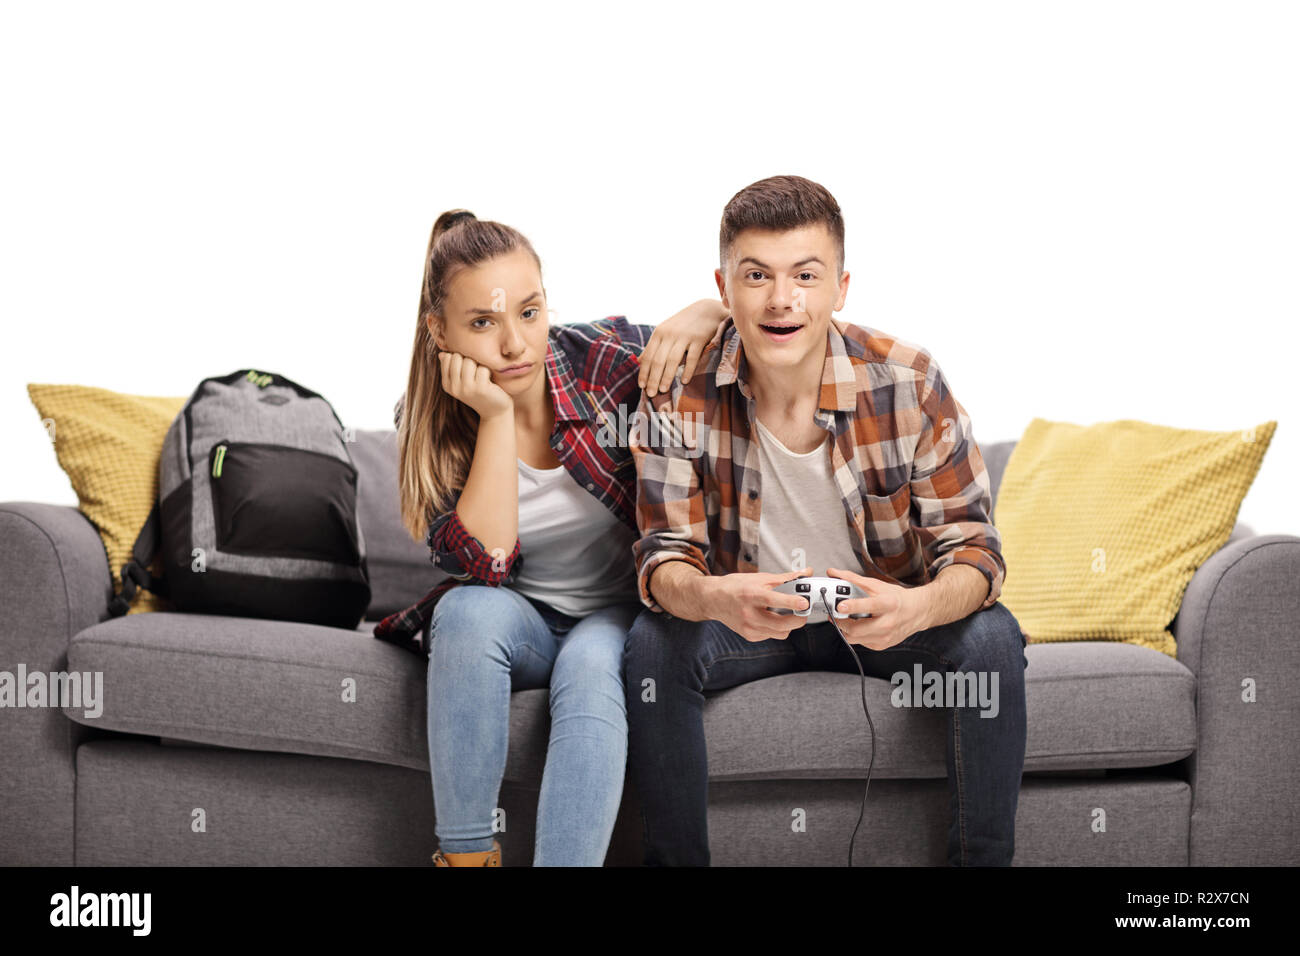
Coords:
pixel 54 582
pixel 1239 627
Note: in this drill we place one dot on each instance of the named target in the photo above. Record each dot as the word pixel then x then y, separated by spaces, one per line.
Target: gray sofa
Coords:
pixel 228 740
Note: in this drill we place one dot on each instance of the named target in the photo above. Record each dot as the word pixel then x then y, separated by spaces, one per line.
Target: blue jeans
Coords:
pixel 488 642
pixel 667 761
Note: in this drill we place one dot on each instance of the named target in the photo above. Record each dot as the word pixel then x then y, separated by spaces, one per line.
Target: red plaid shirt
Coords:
pixel 592 371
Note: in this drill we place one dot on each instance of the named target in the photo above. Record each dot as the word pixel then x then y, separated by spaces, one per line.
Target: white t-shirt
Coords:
pixel 577 555
pixel 802 509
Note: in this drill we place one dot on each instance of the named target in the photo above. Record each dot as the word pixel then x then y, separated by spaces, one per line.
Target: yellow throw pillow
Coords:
pixel 1104 525
pixel 109 445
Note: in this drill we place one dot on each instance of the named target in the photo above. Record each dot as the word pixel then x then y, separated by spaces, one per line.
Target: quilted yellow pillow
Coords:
pixel 109 445
pixel 1104 525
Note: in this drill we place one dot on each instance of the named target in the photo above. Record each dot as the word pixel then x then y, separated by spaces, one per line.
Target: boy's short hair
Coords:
pixel 780 203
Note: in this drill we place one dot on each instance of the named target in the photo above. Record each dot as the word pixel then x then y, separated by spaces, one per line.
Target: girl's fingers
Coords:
pixel 647 356
pixel 692 357
pixel 668 366
pixel 655 373
pixel 451 374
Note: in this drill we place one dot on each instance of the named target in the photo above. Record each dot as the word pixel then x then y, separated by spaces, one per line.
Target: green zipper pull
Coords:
pixel 216 462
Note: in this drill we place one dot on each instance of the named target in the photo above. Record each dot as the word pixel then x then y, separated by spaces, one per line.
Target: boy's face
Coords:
pixel 781 288
pixel 495 313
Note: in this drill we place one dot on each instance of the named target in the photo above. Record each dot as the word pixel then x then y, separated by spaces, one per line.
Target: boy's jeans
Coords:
pixel 667 761
pixel 489 641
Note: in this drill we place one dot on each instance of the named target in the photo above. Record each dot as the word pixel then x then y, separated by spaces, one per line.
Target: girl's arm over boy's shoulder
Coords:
pixel 681 339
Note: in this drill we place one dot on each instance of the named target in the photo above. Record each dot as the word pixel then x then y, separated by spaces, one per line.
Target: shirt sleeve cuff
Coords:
pixel 464 557
pixel 652 562
pixel 983 560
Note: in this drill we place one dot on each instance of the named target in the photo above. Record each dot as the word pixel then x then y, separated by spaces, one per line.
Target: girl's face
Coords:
pixel 495 313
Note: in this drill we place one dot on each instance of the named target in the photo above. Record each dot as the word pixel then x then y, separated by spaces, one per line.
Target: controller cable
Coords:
pixel 854 654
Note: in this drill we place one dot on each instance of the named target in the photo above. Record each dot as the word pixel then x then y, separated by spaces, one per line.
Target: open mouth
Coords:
pixel 780 331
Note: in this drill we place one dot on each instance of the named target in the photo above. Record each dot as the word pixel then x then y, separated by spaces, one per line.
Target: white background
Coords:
pixel 1086 211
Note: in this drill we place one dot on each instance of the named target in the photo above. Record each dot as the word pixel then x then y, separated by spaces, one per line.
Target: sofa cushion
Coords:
pixel 284 686
pixel 108 443
pixel 995 455
pixel 255 684
pixel 1090 706
pixel 400 568
pixel 1103 526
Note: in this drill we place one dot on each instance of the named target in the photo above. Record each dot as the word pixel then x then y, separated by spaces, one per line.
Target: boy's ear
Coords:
pixel 844 291
pixel 721 280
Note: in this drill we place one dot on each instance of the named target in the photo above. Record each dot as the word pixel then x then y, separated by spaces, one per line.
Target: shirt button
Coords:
pixel 590 486
pixel 752 494
pixel 748 557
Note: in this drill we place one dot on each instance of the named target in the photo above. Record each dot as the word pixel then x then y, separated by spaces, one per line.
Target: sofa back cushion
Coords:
pixel 400 570
pixel 995 456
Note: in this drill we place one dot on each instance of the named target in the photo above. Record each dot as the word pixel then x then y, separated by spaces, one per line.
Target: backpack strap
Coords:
pixel 135 573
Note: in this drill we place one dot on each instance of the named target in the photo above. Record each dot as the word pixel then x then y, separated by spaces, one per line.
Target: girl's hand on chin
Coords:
pixel 469 382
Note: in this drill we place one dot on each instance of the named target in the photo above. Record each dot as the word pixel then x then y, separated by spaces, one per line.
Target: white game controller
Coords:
pixel 837 590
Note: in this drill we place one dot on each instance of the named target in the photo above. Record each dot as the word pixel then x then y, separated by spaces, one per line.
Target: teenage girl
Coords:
pixel 515 467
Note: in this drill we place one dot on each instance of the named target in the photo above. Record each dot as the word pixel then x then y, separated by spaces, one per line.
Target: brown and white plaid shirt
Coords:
pixel 915 490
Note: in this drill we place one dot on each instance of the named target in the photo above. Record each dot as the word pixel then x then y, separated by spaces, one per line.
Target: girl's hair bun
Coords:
pixel 449 219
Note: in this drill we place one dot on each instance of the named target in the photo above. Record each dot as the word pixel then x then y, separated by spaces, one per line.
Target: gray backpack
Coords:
pixel 257 509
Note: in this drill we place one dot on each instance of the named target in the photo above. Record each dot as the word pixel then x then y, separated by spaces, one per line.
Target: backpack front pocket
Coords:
pixel 273 501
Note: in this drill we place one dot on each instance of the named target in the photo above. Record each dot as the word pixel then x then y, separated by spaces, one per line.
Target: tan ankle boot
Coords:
pixel 490 857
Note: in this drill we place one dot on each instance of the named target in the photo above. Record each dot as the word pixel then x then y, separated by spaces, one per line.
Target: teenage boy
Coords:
pixel 805 445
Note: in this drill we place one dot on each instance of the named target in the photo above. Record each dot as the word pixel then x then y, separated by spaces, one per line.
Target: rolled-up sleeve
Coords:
pixel 670 509
pixel 463 557
pixel 635 336
pixel 950 489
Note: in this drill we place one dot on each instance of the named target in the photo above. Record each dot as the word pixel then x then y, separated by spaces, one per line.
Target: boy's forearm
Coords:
pixel 956 592
pixel 681 589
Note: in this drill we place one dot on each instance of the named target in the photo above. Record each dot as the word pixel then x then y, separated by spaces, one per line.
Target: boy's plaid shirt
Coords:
pixel 592 372
pixel 915 490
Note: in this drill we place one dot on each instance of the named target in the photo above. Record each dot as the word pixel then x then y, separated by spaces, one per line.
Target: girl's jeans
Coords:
pixel 488 642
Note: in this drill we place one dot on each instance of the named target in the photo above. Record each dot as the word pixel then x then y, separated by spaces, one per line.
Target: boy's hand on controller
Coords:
pixel 741 601
pixel 896 612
